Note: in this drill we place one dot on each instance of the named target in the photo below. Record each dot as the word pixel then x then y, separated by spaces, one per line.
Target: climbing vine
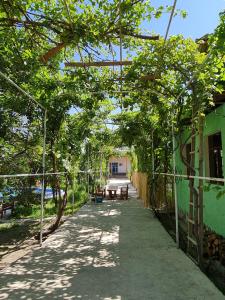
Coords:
pixel 166 82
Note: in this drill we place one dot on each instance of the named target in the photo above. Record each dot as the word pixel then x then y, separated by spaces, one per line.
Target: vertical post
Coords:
pixel 153 171
pixel 100 167
pixel 175 186
pixel 121 55
pixel 88 174
pixel 108 171
pixel 73 186
pixel 200 189
pixel 43 175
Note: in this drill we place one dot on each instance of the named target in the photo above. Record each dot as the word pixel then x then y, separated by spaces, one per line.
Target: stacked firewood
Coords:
pixel 222 251
pixel 214 246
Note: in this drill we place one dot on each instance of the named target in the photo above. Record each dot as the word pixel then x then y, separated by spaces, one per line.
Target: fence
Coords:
pixel 140 182
pixel 164 198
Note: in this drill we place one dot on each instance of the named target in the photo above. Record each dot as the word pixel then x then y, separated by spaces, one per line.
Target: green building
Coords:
pixel 214 167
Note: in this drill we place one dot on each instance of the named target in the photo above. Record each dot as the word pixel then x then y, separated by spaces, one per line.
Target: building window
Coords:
pixel 215 156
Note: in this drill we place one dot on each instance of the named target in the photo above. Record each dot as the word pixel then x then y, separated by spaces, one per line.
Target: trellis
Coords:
pixel 44 110
pixel 150 77
pixel 44 173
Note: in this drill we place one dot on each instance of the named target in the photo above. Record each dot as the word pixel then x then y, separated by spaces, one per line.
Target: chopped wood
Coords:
pixel 216 242
pixel 214 246
pixel 99 64
pixel 211 237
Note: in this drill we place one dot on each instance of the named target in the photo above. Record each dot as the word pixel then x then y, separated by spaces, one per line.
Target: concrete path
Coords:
pixel 116 250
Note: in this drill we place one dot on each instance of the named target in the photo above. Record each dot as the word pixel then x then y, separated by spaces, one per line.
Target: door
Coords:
pixel 114 168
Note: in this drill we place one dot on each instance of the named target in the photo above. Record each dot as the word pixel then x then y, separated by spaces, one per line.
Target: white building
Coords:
pixel 119 165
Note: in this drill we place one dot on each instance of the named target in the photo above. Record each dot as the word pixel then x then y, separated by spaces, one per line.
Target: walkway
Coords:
pixel 116 250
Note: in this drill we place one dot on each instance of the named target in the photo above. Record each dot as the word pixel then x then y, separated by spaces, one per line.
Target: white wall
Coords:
pixel 124 164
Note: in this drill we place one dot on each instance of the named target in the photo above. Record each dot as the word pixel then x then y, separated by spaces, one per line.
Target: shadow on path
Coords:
pixel 115 250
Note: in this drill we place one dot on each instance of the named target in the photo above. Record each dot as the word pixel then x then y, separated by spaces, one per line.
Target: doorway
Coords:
pixel 114 168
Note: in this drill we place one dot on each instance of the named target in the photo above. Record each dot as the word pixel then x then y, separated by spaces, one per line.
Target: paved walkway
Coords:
pixel 116 250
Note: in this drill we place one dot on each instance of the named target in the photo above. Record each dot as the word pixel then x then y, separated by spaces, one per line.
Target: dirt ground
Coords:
pixel 13 234
pixel 16 240
pixel 17 237
pixel 211 267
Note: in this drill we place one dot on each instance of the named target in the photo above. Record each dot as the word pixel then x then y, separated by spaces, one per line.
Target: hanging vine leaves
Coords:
pixel 36 32
pixel 79 25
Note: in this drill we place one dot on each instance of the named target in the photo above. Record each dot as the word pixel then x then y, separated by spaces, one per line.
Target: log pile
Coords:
pixel 214 246
pixel 222 252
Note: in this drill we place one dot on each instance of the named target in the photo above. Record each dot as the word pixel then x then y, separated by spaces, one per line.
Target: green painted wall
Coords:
pixel 214 209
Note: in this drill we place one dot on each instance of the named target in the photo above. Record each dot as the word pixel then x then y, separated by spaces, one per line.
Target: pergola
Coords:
pixel 148 77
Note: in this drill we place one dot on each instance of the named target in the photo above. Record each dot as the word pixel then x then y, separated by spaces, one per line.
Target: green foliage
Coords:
pixel 33 210
pixel 219 189
pixel 6 226
pixel 144 116
pixel 89 24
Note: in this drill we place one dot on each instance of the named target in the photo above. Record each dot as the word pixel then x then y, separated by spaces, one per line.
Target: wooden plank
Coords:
pixel 193 206
pixel 191 221
pixel 143 37
pixel 200 188
pixel 98 64
pixel 192 240
pixel 150 77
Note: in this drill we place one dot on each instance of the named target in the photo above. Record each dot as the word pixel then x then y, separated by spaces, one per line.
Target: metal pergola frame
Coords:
pixel 150 77
pixel 44 120
pixel 98 64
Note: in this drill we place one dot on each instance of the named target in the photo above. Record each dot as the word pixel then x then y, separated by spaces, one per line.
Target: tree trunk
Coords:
pixel 54 185
pixel 61 207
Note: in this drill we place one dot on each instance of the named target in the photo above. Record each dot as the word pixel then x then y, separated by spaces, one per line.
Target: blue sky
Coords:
pixel 203 17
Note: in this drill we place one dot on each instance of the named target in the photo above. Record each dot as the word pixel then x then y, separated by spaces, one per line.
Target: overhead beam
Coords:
pixel 150 77
pixel 98 64
pixel 137 35
pixel 143 37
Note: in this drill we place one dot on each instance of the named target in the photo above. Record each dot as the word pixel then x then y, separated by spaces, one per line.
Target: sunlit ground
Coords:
pixel 115 250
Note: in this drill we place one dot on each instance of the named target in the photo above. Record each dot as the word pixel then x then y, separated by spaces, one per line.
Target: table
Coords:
pixel 112 191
